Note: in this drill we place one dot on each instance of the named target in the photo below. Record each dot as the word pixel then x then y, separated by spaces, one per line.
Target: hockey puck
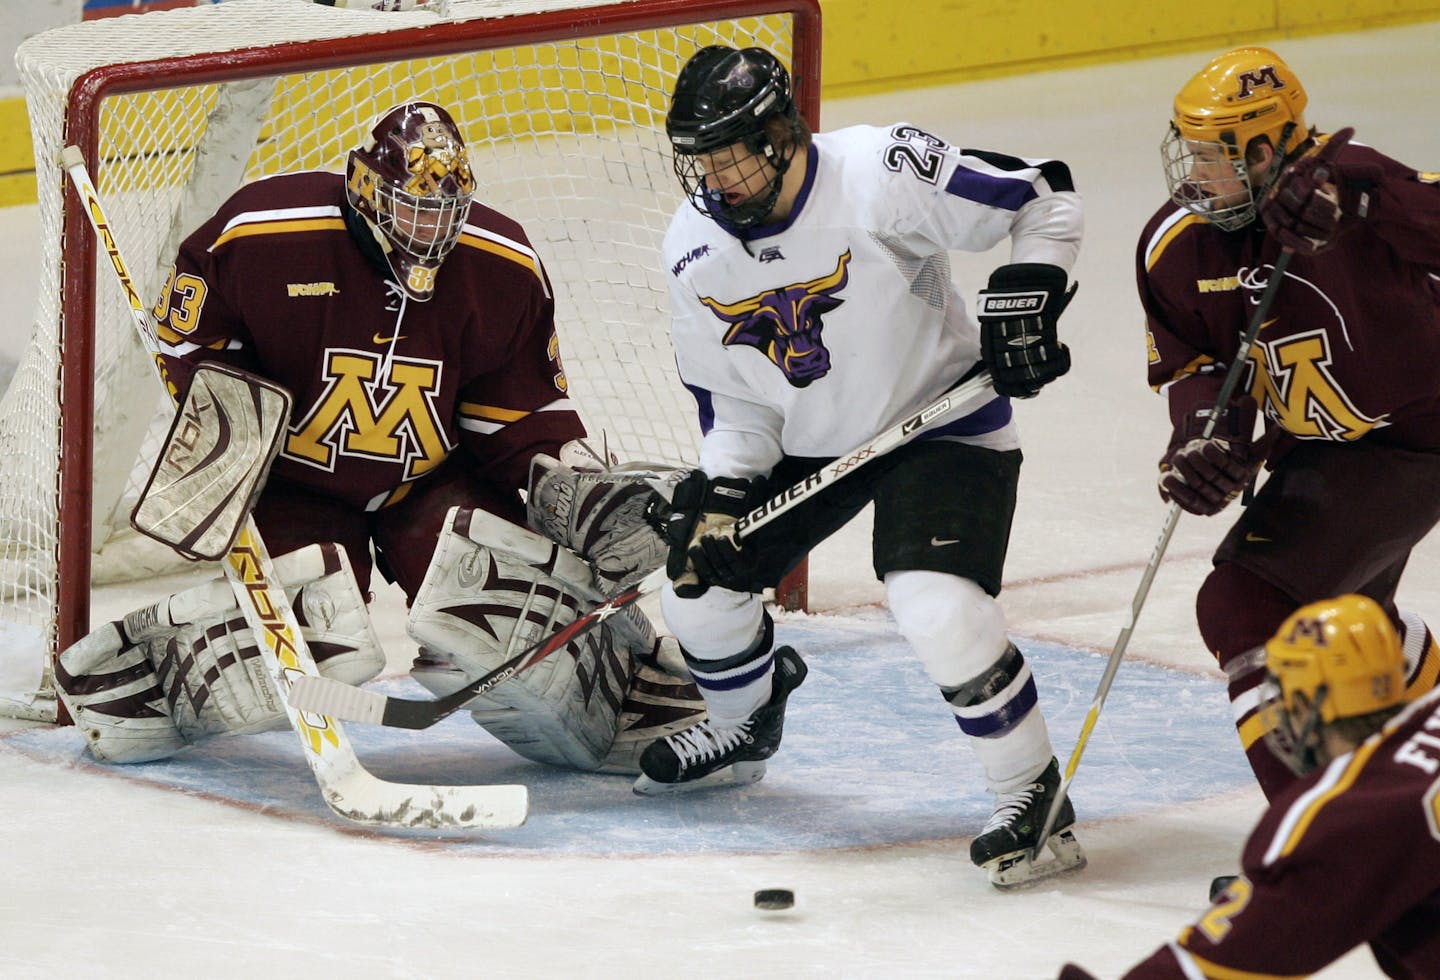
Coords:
pixel 774 899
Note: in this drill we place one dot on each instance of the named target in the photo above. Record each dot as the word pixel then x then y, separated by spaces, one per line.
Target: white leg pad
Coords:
pixel 494 589
pixel 187 668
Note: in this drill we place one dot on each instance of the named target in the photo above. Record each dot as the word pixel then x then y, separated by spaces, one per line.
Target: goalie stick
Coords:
pixel 340 700
pixel 1172 517
pixel 349 789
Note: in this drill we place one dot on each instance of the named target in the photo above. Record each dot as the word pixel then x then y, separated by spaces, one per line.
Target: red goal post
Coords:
pixel 563 107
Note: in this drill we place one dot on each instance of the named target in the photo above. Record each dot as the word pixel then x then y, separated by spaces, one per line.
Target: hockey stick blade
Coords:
pixel 326 696
pixel 348 788
pixel 1172 517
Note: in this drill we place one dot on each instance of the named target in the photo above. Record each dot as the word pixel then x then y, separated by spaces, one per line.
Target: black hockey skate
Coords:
pixel 702 755
pixel 1011 835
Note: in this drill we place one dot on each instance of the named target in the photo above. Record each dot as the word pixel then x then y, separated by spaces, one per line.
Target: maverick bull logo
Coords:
pixel 785 324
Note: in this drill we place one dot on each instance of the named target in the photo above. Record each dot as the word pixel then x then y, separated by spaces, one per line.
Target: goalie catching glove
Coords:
pixel 700 530
pixel 1018 313
pixel 187 667
pixel 598 511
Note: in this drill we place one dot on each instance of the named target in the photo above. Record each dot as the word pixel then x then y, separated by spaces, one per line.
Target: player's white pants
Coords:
pixel 958 631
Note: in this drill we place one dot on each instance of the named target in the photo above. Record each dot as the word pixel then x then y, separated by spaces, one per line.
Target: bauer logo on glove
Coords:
pixel 992 304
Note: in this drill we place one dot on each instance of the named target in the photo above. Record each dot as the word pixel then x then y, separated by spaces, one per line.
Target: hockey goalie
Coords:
pixel 431 434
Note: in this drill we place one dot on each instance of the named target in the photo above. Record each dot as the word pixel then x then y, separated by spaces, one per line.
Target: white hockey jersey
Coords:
pixel 811 335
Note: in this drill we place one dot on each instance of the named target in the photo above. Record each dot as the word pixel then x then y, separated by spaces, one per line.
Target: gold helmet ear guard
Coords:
pixel 1330 661
pixel 1245 93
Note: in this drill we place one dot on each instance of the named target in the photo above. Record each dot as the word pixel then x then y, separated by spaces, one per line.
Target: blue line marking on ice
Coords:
pixel 872 757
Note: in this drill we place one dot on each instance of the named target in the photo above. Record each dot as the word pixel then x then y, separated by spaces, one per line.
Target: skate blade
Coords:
pixel 738 774
pixel 1017 870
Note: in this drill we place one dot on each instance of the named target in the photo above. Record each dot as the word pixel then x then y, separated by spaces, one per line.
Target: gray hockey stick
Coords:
pixel 340 700
pixel 1172 517
pixel 349 789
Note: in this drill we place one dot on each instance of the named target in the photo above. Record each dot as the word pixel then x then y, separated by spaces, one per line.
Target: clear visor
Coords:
pixel 425 228
pixel 735 184
pixel 1204 179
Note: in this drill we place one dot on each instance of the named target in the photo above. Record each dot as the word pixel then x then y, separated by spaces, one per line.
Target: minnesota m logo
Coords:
pixel 1249 81
pixel 354 418
pixel 1295 381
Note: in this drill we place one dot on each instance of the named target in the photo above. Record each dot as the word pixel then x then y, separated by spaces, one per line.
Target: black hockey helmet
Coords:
pixel 724 97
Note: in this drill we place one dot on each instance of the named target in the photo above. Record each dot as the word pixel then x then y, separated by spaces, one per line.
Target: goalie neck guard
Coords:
pixel 410 180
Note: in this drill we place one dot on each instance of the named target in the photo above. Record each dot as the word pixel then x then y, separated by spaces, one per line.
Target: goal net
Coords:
pixel 562 105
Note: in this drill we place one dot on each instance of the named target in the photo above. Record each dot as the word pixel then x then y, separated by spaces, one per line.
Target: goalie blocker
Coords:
pixel 214 461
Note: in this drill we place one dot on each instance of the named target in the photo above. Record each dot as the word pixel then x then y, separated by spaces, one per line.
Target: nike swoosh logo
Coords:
pixel 1257 538
pixel 385 340
pixel 942 542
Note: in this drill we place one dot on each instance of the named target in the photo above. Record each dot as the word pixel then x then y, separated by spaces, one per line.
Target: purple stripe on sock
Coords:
pixel 730 682
pixel 1007 717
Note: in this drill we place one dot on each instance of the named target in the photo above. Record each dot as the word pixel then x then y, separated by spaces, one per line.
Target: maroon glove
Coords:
pixel 1203 475
pixel 1317 199
pixel 1072 972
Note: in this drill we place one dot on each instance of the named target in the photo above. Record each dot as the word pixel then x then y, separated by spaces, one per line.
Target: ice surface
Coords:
pixel 226 865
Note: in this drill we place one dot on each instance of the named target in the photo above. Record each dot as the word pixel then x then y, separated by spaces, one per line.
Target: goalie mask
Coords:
pixel 1243 94
pixel 726 112
pixel 1330 662
pixel 410 180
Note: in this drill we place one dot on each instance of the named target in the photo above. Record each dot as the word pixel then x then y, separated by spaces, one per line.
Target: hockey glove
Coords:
pixel 1018 312
pixel 1204 475
pixel 700 531
pixel 1316 199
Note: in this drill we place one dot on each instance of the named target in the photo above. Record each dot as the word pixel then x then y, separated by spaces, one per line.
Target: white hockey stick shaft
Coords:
pixel 349 789
pixel 1172 517
pixel 371 707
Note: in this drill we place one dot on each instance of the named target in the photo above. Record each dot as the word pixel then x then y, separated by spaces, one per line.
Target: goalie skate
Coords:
pixel 1008 846
pixel 705 756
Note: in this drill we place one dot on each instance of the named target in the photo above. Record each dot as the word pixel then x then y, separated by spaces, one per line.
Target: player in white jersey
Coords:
pixel 813 307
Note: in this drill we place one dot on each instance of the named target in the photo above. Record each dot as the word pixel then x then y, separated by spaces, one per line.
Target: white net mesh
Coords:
pixel 567 136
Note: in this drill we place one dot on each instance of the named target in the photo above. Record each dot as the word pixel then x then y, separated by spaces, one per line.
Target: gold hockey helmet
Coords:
pixel 1331 660
pixel 1242 94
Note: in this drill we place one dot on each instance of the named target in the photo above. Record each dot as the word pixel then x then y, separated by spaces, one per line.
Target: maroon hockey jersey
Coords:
pixel 384 388
pixel 1347 855
pixel 1351 347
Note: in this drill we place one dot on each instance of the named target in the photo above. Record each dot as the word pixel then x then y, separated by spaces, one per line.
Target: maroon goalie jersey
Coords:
pixel 1350 348
pixel 384 388
pixel 1349 854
